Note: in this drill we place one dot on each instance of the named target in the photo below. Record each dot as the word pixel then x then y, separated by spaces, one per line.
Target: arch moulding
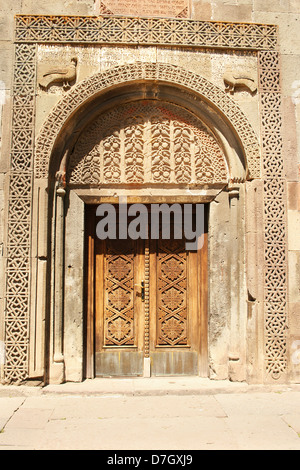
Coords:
pixel 88 90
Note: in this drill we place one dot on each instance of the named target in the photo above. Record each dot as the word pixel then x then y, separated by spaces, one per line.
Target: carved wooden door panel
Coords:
pixel 175 308
pixel 119 312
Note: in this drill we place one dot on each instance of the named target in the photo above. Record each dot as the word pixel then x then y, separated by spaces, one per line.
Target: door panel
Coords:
pixel 174 314
pixel 118 307
pixel 175 337
pixel 171 292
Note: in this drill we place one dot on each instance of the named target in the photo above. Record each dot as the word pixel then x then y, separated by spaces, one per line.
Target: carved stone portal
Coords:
pixel 262 39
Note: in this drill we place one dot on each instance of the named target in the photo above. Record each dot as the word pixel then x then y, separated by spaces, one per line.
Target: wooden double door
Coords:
pixel 146 306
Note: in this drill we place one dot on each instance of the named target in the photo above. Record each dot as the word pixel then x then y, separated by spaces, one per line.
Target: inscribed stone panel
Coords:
pixel 165 8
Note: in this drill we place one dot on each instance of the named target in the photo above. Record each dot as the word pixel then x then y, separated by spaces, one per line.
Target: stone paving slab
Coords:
pixel 293 421
pixel 29 418
pixel 150 433
pixel 255 403
pixel 142 386
pixel 7 408
pixel 122 406
pixel 265 432
pixel 94 416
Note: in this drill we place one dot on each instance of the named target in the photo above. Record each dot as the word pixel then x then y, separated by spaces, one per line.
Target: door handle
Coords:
pixel 142 287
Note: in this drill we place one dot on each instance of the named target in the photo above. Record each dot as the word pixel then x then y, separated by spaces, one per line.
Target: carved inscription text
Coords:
pixel 165 8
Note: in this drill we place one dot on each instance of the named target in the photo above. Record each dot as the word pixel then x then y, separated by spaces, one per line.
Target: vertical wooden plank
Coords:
pixel 152 293
pixel 193 287
pixel 147 361
pixel 89 264
pixel 99 290
pixel 139 276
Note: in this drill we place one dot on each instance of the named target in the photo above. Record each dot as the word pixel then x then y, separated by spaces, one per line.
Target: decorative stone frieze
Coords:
pixel 108 29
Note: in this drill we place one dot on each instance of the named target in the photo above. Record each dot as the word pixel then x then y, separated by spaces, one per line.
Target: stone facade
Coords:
pixel 230 69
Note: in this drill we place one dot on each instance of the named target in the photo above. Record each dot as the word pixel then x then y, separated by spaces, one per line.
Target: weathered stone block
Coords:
pixel 271 5
pixel 293 192
pixel 289 142
pixel 294 315
pixel 225 12
pixel 294 276
pixel 55 7
pixel 156 8
pixel 201 10
pixel 288 31
pixel 293 230
pixel 8 10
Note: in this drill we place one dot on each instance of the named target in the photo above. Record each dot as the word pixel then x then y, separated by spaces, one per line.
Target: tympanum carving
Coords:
pixel 152 142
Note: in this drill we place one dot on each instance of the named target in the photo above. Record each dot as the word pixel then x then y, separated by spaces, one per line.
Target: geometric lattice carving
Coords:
pixel 145 71
pixel 274 217
pixel 151 142
pixel 119 293
pixel 172 293
pixel 107 29
pixel 269 72
pixel 272 139
pixel 19 216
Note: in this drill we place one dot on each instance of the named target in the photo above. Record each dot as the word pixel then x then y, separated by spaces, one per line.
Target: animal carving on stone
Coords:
pixel 239 79
pixel 49 75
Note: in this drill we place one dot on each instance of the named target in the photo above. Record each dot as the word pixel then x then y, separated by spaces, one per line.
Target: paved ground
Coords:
pixel 150 414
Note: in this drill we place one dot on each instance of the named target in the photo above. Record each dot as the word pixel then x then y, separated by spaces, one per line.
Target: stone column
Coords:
pixel 57 368
pixel 236 356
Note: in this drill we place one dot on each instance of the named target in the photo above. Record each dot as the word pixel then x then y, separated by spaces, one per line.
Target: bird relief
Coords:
pixel 51 74
pixel 242 79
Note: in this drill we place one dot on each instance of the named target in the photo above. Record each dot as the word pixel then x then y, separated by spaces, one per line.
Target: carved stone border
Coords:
pixel 108 29
pixel 17 302
pixel 275 236
pixel 31 30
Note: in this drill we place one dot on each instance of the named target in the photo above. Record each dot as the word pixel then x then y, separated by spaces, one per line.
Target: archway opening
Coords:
pixel 199 122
